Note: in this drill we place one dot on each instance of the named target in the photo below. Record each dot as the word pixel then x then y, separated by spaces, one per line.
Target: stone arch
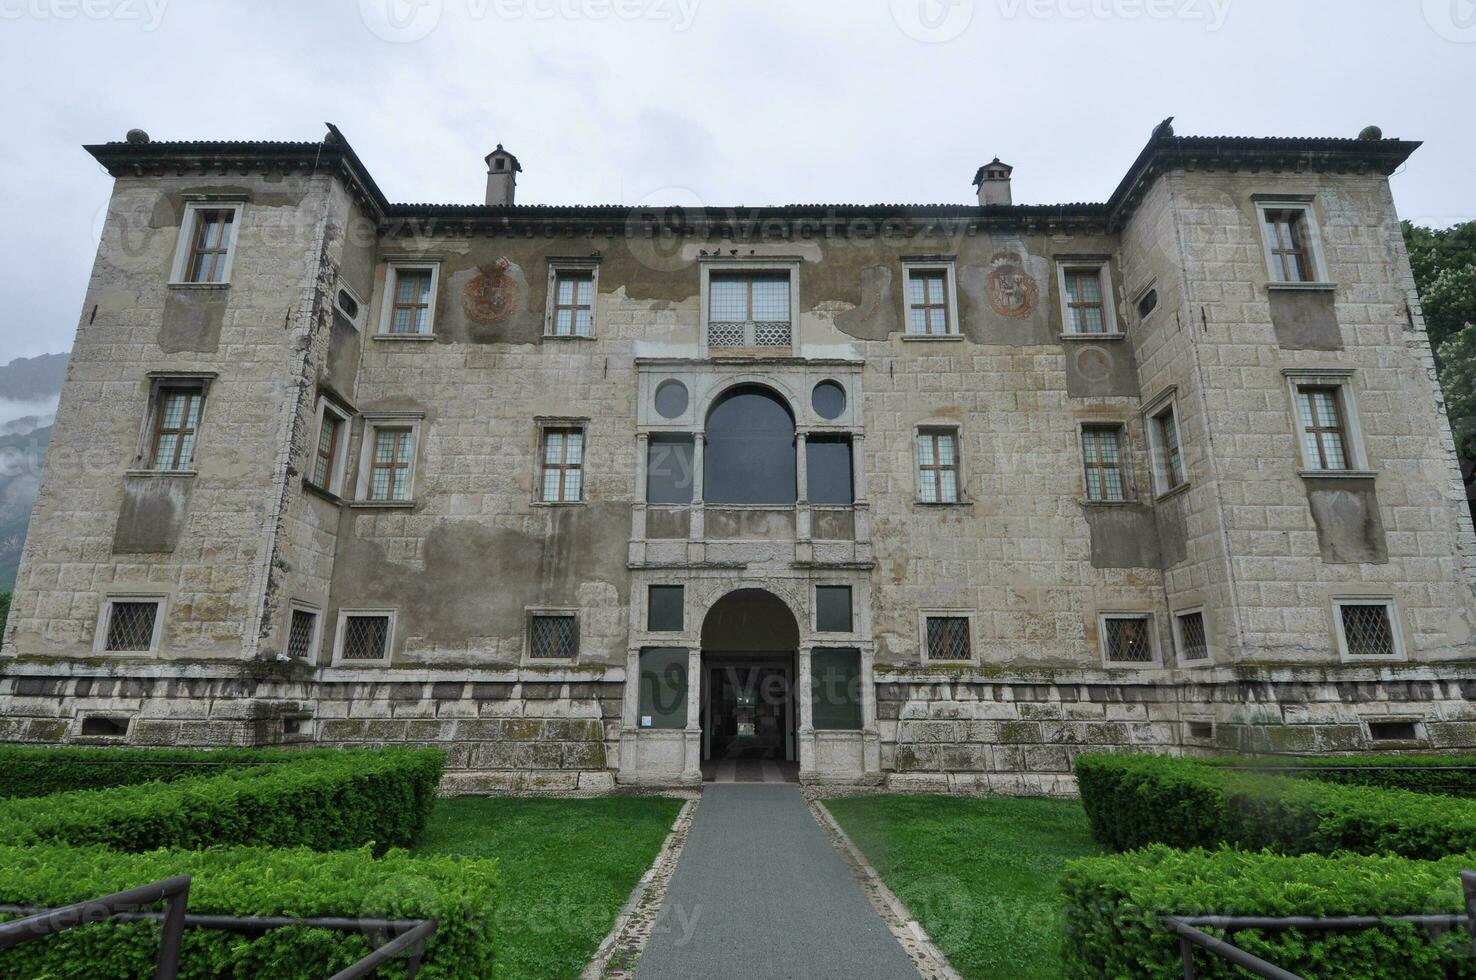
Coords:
pixel 750 618
pixel 749 448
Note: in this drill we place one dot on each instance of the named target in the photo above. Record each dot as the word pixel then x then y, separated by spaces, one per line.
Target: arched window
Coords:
pixel 749 456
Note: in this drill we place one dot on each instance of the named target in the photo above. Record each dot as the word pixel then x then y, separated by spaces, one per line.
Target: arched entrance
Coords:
pixel 747 706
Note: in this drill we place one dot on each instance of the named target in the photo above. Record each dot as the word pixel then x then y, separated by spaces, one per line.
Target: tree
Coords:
pixel 1444 264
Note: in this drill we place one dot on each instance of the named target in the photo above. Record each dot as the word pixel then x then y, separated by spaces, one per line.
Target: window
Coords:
pixel 833 609
pixel 1168 459
pixel 1288 244
pixel 749 454
pixel 553 636
pixel 1189 635
pixel 1101 453
pixel 927 303
pixel 572 290
pixel 937 466
pixel 207 244
pixel 1127 639
pixel 1086 306
pixel 669 469
pixel 104 727
pixel 326 465
pixel 302 634
pixel 664 613
pixel 129 624
pixel 410 299
pixel 1324 436
pixel 1393 731
pixel 563 465
pixel 835 689
pixel 663 694
pixel 1147 303
pixel 364 636
pixel 1367 628
pixel 946 637
pixel 389 464
pixel 749 309
pixel 176 421
pixel 828 470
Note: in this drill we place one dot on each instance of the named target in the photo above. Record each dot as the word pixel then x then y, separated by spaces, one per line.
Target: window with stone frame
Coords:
pixel 302 633
pixel 409 299
pixel 366 637
pixel 1101 454
pixel 1324 431
pixel 749 309
pixel 390 463
pixel 1288 244
pixel 1190 632
pixel 1127 638
pixel 328 453
pixel 833 609
pixel 572 314
pixel 1167 450
pixel 947 638
pixel 562 470
pixel 130 625
pixel 553 636
pixel 928 314
pixel 176 416
pixel 1085 300
pixel 1368 628
pixel 937 466
pixel 212 236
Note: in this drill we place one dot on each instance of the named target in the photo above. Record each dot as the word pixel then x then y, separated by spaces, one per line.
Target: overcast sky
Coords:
pixel 703 101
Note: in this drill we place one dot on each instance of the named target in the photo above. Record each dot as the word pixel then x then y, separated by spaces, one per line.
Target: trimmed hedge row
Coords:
pixel 1419 773
pixel 1135 800
pixel 1113 904
pixel 329 801
pixel 39 770
pixel 460 894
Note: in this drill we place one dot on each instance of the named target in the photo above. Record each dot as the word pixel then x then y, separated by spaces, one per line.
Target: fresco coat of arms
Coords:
pixel 1012 291
pixel 492 294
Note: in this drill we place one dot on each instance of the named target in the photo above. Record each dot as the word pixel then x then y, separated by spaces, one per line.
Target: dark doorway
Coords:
pixel 749 714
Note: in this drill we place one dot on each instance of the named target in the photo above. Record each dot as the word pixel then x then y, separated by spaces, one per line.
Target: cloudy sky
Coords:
pixel 714 101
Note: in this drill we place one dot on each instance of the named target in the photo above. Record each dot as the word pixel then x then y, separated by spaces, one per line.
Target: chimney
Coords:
pixel 993 181
pixel 502 177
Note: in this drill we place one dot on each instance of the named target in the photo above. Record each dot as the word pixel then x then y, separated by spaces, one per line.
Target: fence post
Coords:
pixel 1186 952
pixel 1468 887
pixel 172 939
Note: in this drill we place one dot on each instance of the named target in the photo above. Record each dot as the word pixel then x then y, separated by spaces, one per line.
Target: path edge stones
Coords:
pixel 621 949
pixel 929 960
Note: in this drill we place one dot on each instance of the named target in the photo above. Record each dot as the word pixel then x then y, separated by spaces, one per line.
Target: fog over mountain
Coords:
pixel 29 389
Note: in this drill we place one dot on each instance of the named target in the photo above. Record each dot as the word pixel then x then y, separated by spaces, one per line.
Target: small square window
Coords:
pixel 833 609
pixel 365 637
pixel 664 612
pixel 131 625
pixel 1368 629
pixel 302 634
pixel 1190 635
pixel 571 310
pixel 929 302
pixel 563 465
pixel 409 307
pixel 1127 639
pixel 207 244
pixel 947 638
pixel 937 466
pixel 1101 453
pixel 553 636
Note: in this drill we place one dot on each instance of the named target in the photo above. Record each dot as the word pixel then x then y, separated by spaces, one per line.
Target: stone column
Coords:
pixel 807 714
pixel 870 735
pixel 697 527
pixel 638 509
pixel 862 507
pixel 692 768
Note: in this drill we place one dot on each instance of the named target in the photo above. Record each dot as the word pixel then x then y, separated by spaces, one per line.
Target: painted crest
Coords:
pixel 492 294
pixel 1012 290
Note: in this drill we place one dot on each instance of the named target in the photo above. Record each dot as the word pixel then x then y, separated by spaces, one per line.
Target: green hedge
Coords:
pixel 1113 904
pixel 1419 773
pixel 460 894
pixel 326 802
pixel 1134 800
pixel 39 770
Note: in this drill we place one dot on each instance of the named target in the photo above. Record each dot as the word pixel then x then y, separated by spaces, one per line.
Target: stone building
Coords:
pixel 936 496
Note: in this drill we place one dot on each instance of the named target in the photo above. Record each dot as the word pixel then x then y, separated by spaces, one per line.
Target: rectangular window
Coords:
pixel 664 612
pixel 1101 453
pixel 176 421
pixel 663 694
pixel 563 465
pixel 833 609
pixel 211 237
pixel 1168 460
pixel 1324 436
pixel 748 309
pixel 553 637
pixel 330 443
pixel 1127 639
pixel 573 303
pixel 828 470
pixel 669 469
pixel 389 464
pixel 302 634
pixel 835 689
pixel 1190 635
pixel 1287 244
pixel 937 466
pixel 927 303
pixel 364 637
pixel 947 638
pixel 1368 628
pixel 1085 309
pixel 130 625
pixel 409 307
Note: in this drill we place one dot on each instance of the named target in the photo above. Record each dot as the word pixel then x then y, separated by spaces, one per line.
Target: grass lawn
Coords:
pixel 979 874
pixel 567 865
